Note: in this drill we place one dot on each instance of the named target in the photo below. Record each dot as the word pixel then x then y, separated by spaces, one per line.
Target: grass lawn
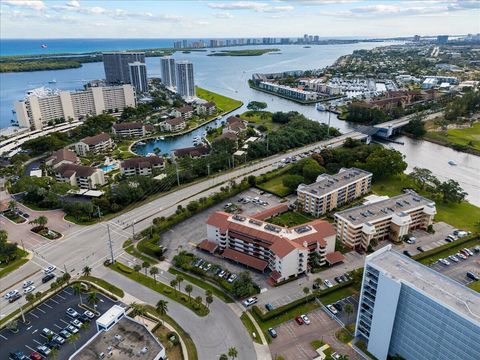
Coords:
pixel 174 352
pixel 250 328
pixel 343 336
pixel 317 344
pixel 449 250
pixel 260 118
pixel 291 218
pixel 275 186
pixel 462 216
pixel 14 265
pixel 223 103
pixel 475 286
pixel 17 219
pixel 468 137
pixel 106 285
pixel 174 294
pixel 132 250
pixel 203 284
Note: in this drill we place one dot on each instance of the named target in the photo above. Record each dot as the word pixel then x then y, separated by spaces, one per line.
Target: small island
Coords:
pixel 252 52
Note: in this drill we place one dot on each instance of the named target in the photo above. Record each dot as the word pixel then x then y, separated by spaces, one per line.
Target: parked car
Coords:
pixel 453 258
pixel 461 256
pixel 444 261
pixel 448 239
pixel 338 279
pixel 411 240
pixel 43 350
pixel 10 294
pixel 18 355
pixel 338 306
pixel 47 332
pixel 78 324
pixel 27 283
pixel 72 313
pixel 315 286
pixel 299 320
pixel 49 269
pixel 328 283
pixel 232 278
pixel 419 248
pixel 477 248
pixel 332 309
pixel 250 301
pixel 344 278
pixel 72 329
pixel 272 332
pixel 89 314
pixel 35 356
pixel 269 307
pixel 29 289
pixel 47 278
pixel 469 252
pixel 64 333
pixel 305 319
pixel 58 339
pixel 472 276
pixel 222 272
pixel 407 253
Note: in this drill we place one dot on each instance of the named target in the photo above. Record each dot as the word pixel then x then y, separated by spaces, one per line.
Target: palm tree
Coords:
pixel 188 290
pixel 318 282
pixel 198 300
pixel 162 308
pixel 73 339
pixel 92 298
pixel 12 204
pixel 349 310
pixel 179 281
pixel 145 265
pixel 53 353
pixel 173 284
pixel 77 290
pixel 208 292
pixel 232 352
pixel 208 300
pixel 86 271
pixel 223 357
pixel 42 221
pixel 137 268
pixel 138 310
pixel 30 299
pixel 306 290
pixel 154 273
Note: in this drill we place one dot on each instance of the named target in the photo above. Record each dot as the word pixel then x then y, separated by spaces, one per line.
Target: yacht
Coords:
pixel 451 162
pixel 141 143
pixel 162 137
pixel 53 81
pixel 320 107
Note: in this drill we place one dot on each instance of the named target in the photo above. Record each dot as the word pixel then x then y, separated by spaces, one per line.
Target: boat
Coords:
pixel 151 154
pixel 162 137
pixel 141 143
pixel 451 162
pixel 320 107
pixel 44 46
pixel 53 81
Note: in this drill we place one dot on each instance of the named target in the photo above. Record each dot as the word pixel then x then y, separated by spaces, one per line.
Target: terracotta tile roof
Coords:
pixel 282 247
pixel 175 121
pixel 245 259
pixel 275 275
pixel 127 126
pixel 234 119
pixel 97 139
pixel 63 155
pixel 265 214
pixel 334 257
pixel 209 246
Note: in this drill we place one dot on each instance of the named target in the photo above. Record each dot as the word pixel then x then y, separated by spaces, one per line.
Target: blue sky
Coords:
pixel 203 18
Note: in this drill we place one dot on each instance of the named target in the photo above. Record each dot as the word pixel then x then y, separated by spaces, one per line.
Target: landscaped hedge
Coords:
pixel 287 307
pixel 123 268
pixel 442 248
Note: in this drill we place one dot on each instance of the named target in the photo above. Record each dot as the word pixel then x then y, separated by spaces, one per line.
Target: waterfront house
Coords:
pixel 141 166
pixel 174 125
pixel 134 129
pixel 84 177
pixel 60 157
pixel 186 112
pixel 95 144
pixel 206 109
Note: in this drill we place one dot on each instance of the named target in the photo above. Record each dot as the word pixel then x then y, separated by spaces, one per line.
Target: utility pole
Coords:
pixel 65 268
pixel 98 211
pixel 21 311
pixel 208 169
pixel 110 243
pixel 133 230
pixel 328 130
pixel 178 177
pixel 233 161
pixel 267 143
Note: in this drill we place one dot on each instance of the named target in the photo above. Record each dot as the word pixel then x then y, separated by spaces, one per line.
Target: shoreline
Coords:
pixel 446 144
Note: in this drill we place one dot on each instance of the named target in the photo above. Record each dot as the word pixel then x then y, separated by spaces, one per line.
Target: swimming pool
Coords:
pixel 109 168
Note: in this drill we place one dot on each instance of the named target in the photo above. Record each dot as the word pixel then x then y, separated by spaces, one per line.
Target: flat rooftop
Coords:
pixel 127 340
pixel 327 183
pixel 444 289
pixel 359 215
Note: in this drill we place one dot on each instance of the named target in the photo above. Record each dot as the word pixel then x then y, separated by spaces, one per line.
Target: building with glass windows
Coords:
pixel 184 79
pixel 410 310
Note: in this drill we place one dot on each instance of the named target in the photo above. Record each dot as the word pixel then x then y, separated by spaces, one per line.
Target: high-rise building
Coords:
pixel 138 76
pixel 116 65
pixel 40 107
pixel 177 44
pixel 411 310
pixel 316 38
pixel 184 44
pixel 167 65
pixel 442 39
pixel 184 78
pixel 416 38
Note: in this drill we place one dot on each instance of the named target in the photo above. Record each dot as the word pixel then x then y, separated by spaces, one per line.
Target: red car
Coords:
pixel 35 356
pixel 299 320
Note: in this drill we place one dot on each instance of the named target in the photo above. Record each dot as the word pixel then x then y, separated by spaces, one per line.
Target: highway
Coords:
pixel 88 245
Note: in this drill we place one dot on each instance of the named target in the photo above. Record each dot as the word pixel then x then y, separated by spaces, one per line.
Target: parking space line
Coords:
pixel 61 297
pixel 3 337
pixel 56 302
pixel 38 342
pixel 31 313
pixel 64 321
pixel 57 326
pixel 65 291
pixel 38 308
pixel 47 305
pixel 28 347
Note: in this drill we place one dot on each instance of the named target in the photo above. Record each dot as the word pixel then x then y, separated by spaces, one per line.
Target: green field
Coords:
pixel 254 52
pixel 469 137
pixel 104 284
pixel 275 186
pixel 250 328
pixel 462 216
pixel 475 286
pixel 260 118
pixel 223 103
pixel 291 218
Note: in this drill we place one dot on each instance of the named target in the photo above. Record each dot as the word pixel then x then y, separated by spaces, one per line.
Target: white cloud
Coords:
pixel 223 15
pixel 29 4
pixel 74 4
pixel 250 5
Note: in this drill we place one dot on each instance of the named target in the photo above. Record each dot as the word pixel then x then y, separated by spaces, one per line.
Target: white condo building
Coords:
pixel 413 311
pixel 41 107
pixel 185 79
pixel 138 76
pixel 167 65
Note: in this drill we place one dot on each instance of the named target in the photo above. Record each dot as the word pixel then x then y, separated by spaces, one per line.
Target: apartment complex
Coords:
pixel 167 65
pixel 138 76
pixel 60 157
pixel 84 177
pixel 141 166
pixel 95 144
pixel 390 218
pixel 116 65
pixel 208 108
pixel 131 129
pixel 287 91
pixel 174 125
pixel 331 191
pixel 186 112
pixel 184 79
pixel 410 310
pixel 261 245
pixel 42 107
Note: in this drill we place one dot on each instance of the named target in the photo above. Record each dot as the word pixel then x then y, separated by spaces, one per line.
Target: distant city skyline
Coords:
pixel 37 19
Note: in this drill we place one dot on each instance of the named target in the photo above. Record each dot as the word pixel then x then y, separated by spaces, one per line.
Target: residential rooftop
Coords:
pixel 127 340
pixel 399 204
pixel 428 281
pixel 328 183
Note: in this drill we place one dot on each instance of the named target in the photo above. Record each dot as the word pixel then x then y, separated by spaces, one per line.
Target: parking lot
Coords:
pixel 293 340
pixel 458 270
pixel 51 314
pixel 342 315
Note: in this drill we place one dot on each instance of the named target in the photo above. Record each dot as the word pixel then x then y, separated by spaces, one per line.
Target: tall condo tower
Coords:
pixel 167 65
pixel 138 76
pixel 184 78
pixel 116 65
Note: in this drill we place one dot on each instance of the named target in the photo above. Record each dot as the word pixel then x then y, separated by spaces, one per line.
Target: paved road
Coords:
pixel 89 245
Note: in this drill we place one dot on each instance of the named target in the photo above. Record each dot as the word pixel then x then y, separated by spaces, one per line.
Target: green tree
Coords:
pixel 421 177
pixel 451 191
pixel 189 289
pixel 292 181
pixel 415 127
pixel 30 299
pixel 154 272
pixel 92 298
pixel 137 268
pixel 233 352
pixel 349 310
pixel 173 284
pixel 12 204
pixel 208 300
pixel 87 270
pixel 223 357
pixel 256 105
pixel 138 310
pixel 179 279
pixel 77 290
pixel 306 291
pixel 145 266
pixel 384 163
pixel 42 221
pixel 73 340
pixel 162 308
